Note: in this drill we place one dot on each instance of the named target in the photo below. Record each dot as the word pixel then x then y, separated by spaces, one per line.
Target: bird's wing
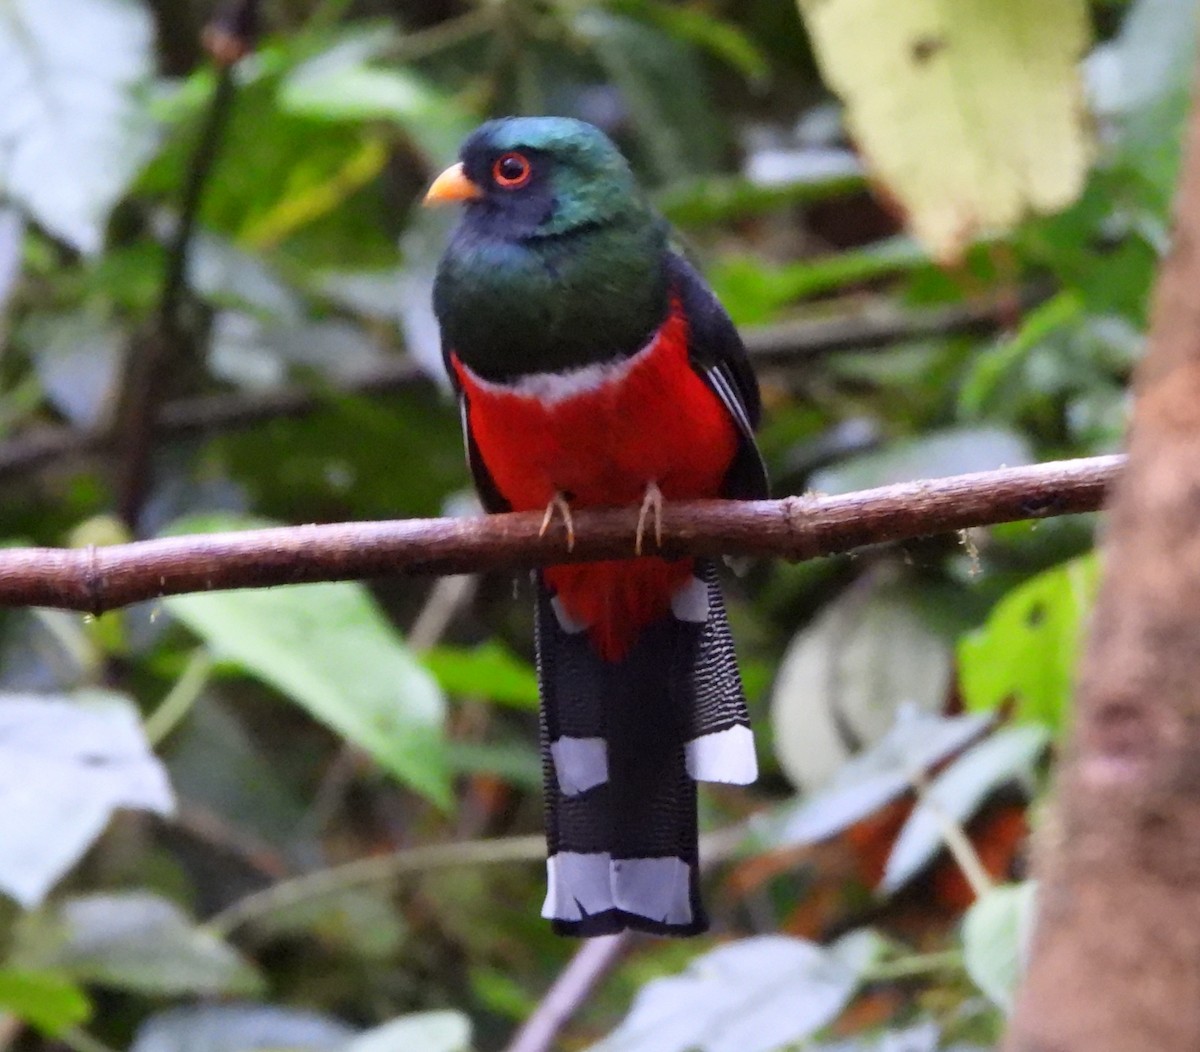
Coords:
pixel 489 495
pixel 717 355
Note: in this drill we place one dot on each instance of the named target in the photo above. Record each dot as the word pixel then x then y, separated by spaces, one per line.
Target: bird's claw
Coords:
pixel 559 503
pixel 651 502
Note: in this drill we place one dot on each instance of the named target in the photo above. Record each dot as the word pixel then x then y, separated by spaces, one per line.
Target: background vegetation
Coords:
pixel 310 817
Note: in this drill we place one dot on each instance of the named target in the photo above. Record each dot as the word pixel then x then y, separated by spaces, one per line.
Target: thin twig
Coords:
pixel 780 344
pixel 792 342
pixel 384 869
pixel 957 842
pixel 99 579
pixel 153 349
pixel 180 698
pixel 381 869
pixel 591 962
pixel 914 965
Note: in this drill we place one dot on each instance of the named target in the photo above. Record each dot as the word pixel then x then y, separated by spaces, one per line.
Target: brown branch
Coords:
pixel 99 579
pixel 40 447
pixel 1116 951
pixel 789 343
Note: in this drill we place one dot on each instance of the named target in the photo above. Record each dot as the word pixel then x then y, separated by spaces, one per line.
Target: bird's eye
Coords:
pixel 511 171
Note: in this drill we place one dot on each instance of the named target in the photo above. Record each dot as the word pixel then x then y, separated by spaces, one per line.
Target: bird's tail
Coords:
pixel 623 745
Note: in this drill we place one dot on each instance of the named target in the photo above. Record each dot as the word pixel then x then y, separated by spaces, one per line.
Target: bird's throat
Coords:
pixel 509 309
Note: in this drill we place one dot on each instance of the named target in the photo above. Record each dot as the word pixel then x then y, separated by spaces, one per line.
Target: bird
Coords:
pixel 593 366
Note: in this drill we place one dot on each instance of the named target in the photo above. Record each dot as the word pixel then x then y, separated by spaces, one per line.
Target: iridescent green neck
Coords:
pixel 555 301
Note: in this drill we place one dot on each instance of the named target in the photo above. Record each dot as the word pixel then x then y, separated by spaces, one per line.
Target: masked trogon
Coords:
pixel 595 367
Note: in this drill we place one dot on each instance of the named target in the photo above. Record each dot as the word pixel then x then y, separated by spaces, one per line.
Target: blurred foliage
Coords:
pixel 367 753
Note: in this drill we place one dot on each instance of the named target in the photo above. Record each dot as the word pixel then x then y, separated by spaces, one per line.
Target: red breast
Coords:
pixel 599 435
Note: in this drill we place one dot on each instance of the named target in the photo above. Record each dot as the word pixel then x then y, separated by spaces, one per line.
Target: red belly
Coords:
pixel 658 422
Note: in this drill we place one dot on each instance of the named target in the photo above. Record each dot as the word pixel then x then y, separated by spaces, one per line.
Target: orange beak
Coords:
pixel 452 185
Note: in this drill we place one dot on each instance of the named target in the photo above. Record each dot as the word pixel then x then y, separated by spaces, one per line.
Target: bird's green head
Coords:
pixel 557 260
pixel 530 177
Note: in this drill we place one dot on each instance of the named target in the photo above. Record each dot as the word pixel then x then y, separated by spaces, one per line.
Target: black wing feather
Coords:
pixel 718 356
pixel 489 495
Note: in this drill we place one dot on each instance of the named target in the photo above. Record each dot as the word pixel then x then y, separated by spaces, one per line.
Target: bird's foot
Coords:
pixel 652 502
pixel 559 503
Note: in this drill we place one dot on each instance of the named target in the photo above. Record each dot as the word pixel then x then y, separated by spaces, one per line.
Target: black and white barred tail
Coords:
pixel 623 745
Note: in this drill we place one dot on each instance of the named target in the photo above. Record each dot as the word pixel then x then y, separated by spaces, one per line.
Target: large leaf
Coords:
pixel 754 995
pixel 427 1031
pixel 916 742
pixel 45 1000
pixel 133 940
pixel 996 933
pixel 71 135
pixel 65 765
pixel 969 112
pixel 1009 755
pixel 240 1028
pixel 329 648
pixel 1029 647
pixel 844 677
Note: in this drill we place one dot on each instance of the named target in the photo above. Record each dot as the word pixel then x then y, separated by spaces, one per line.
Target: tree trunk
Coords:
pixel 1116 955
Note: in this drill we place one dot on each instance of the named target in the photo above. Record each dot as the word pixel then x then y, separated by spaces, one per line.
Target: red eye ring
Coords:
pixel 511 171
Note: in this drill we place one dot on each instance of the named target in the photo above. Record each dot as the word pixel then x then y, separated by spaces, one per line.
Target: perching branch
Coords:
pixel 99 579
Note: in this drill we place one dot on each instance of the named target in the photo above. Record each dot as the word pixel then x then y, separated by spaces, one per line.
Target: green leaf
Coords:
pixel 427 1031
pixel 66 763
pixel 662 86
pixel 47 1001
pixel 1028 649
pixel 754 995
pixel 996 932
pixel 991 366
pixel 339 85
pixel 516 761
pixel 968 112
pixel 729 198
pixel 754 293
pixel 330 649
pixel 489 671
pixel 71 135
pixel 955 794
pixel 133 940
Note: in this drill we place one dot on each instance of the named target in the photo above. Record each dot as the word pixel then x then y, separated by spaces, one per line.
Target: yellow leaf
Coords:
pixel 969 112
